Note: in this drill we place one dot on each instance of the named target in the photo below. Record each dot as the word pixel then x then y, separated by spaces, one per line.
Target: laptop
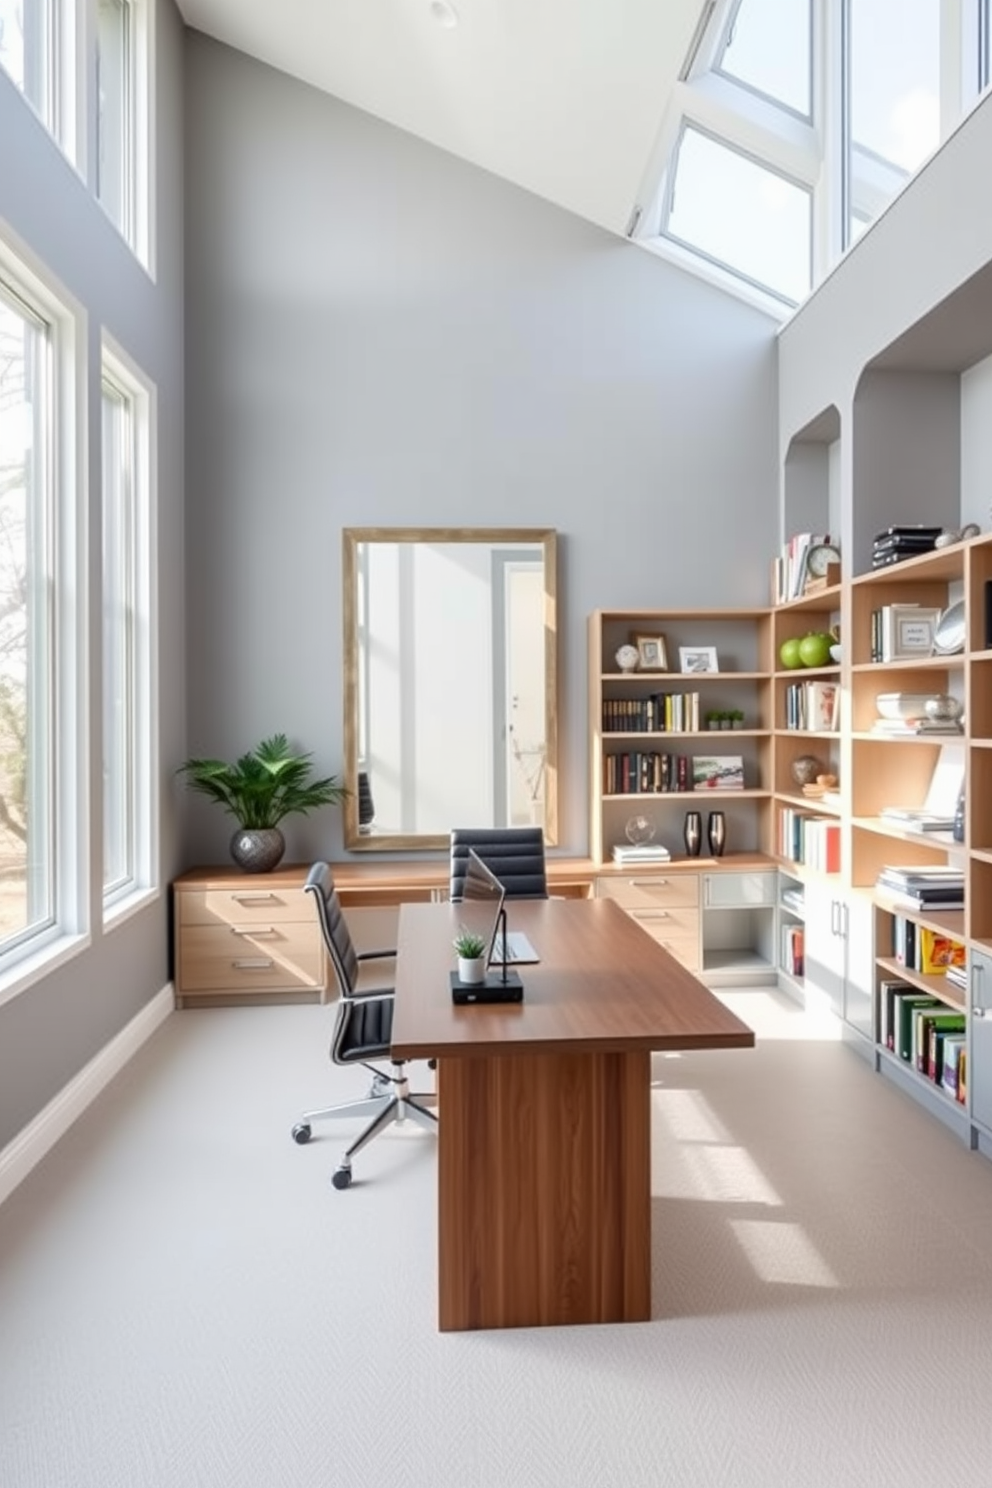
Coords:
pixel 483 895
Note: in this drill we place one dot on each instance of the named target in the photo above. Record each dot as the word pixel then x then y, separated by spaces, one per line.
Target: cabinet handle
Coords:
pixel 648 883
pixel 650 914
pixel 253 963
pixel 978 1007
pixel 252 930
pixel 269 898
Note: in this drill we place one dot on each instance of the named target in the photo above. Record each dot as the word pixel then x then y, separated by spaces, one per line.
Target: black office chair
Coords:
pixel 362 1032
pixel 514 854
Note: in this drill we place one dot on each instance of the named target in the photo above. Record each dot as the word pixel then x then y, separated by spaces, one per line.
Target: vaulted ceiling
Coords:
pixel 563 97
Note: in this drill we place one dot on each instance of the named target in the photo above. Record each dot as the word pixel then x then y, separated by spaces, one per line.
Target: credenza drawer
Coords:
pixel 250 905
pixel 645 891
pixel 685 949
pixel 223 958
pixel 667 921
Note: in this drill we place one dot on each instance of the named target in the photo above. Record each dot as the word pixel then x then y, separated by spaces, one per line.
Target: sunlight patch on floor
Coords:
pixel 782 1252
pixel 773 1015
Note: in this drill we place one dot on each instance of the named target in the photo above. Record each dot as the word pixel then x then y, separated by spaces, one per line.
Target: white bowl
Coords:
pixel 835 653
pixel 902 704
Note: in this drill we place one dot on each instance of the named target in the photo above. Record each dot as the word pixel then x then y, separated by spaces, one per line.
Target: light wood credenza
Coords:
pixel 254 938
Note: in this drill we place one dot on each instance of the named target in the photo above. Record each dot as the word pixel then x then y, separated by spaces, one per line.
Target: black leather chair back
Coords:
pixel 514 854
pixel 337 937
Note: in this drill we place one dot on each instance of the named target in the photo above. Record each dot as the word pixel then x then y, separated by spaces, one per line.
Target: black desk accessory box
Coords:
pixel 499 986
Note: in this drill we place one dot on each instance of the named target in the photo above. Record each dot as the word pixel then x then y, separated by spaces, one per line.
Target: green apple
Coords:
pixel 788 654
pixel 814 649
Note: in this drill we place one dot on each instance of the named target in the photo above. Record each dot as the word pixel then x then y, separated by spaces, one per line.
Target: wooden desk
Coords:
pixel 544 1208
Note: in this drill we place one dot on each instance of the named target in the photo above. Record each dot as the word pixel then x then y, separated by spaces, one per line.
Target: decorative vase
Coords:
pixel 716 832
pixel 692 833
pixel 471 970
pixel 257 850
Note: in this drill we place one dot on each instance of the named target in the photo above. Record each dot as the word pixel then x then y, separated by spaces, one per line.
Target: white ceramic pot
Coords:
pixel 471 972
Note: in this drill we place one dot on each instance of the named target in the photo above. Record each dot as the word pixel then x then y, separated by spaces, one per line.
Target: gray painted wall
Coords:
pixel 51 1030
pixel 380 334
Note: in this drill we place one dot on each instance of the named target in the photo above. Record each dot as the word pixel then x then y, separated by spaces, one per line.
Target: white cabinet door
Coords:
pixel 859 979
pixel 824 949
pixel 980 1039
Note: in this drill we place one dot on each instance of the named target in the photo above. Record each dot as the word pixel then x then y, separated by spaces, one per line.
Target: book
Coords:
pixel 955 1046
pixel 925 1022
pixel 936 952
pixel 888 992
pixel 906 1005
pixel 940 1029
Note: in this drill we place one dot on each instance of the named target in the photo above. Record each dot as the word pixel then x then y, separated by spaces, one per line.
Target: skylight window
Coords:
pixel 805 118
pixel 742 215
pixel 769 48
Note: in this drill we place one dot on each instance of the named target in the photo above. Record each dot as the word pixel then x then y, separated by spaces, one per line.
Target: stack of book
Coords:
pixel 790 571
pixel 897 543
pixel 625 854
pixel 814 706
pixel 922 888
pixel 905 728
pixel 917 820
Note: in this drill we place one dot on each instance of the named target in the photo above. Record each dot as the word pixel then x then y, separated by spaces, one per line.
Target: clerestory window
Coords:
pixel 796 122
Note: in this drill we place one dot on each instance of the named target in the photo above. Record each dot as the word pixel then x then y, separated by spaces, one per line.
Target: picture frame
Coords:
pixel 698 659
pixel 652 653
pixel 908 631
pixel 717 772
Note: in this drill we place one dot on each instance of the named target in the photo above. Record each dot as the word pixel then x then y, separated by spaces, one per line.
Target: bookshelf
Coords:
pixel 717 915
pixel 887 771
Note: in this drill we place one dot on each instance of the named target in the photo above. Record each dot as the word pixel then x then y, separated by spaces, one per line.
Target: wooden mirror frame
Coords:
pixel 352 538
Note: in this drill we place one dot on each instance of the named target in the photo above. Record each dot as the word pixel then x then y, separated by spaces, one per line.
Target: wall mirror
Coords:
pixel 450 683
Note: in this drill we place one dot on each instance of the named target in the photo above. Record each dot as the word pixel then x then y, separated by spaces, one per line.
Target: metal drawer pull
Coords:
pixel 258 963
pixel 650 914
pixel 252 930
pixel 269 898
pixel 648 883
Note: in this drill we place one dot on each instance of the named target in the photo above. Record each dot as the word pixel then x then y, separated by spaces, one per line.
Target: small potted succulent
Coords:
pixel 726 720
pixel 736 718
pixel 471 952
pixel 713 719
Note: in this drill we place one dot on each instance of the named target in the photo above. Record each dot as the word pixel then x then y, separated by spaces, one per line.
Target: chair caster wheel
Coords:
pixel 341 1178
pixel 301 1133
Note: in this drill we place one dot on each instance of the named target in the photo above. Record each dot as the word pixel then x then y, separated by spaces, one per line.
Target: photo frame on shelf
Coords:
pixel 718 772
pixel 910 631
pixel 652 653
pixel 698 659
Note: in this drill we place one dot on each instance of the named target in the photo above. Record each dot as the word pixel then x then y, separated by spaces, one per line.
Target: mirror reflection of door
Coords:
pixel 519 752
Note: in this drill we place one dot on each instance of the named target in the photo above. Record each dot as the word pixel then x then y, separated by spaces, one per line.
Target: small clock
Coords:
pixel 819 558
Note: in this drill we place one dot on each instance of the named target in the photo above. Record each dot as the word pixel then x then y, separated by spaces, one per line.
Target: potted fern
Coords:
pixel 265 785
pixel 471 952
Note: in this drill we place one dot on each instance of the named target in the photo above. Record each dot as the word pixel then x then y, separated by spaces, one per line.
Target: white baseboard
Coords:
pixel 40 1135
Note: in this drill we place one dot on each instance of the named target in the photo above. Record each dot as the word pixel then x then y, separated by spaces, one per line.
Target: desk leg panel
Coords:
pixel 544 1190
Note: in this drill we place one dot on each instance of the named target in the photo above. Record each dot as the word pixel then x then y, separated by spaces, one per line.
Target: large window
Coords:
pixel 128 775
pixel 804 118
pixel 115 112
pixel 741 214
pixel 27 53
pixel 27 581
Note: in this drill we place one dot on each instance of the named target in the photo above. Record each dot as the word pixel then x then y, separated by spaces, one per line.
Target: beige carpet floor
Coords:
pixel 185 1302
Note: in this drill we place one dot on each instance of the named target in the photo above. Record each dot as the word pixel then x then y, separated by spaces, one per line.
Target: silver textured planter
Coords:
pixel 257 849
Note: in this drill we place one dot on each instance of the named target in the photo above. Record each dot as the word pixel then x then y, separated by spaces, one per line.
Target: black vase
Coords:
pixel 692 833
pixel 716 832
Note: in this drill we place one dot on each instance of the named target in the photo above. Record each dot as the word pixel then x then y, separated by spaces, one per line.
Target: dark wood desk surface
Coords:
pixel 603 984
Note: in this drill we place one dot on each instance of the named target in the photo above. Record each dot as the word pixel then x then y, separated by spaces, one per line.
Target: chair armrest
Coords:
pixel 376 955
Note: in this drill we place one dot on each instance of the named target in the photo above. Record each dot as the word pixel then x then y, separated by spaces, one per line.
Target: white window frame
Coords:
pixel 61 109
pixel 138 153
pixel 810 153
pixel 35 954
pixel 123 898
